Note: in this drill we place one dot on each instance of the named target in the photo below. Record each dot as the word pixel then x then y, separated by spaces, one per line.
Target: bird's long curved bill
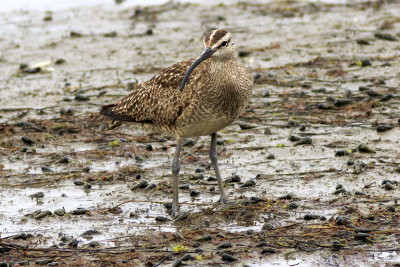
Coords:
pixel 206 54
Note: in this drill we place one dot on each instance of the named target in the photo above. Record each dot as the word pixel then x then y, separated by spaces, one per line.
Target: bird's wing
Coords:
pixel 158 100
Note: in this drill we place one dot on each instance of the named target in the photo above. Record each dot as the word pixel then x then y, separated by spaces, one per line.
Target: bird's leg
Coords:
pixel 214 161
pixel 175 173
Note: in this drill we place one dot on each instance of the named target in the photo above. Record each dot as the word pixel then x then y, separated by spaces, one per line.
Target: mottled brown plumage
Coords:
pixel 215 93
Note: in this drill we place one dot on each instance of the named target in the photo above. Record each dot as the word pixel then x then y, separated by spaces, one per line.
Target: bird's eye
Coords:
pixel 224 43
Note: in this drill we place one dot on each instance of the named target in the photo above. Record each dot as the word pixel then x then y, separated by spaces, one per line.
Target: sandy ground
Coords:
pixel 320 139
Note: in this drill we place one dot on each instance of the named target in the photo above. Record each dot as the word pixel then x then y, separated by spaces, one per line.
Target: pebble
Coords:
pixel 342 102
pixel 149 147
pixel 350 162
pixel 362 236
pixel 366 63
pixel 151 186
pixel 188 142
pixel 246 126
pixel 267 227
pixel 79 182
pixel 211 178
pixel 287 196
pixel 64 160
pixel 133 215
pixel 384 128
pixel 176 263
pixel 389 186
pixel 94 244
pixel 324 106
pixel 302 127
pixel 138 157
pixel 267 131
pixel 212 188
pixel 385 36
pixel 362 41
pixel 187 257
pixel 391 208
pixel 43 214
pixel 265 93
pixel 59 212
pixel 87 186
pixel 91 232
pixel 194 193
pixel 74 242
pixel 268 250
pixel 80 97
pixel 161 219
pixel 340 220
pixel 386 97
pixel 27 140
pixel 256 200
pixel 244 53
pixel 294 138
pixel 347 93
pixel 292 205
pixel 184 186
pixel 142 184
pixel 225 245
pixel 309 217
pixel 204 238
pixel 319 90
pixel 304 141
pixel 181 216
pixel 68 111
pixel 373 93
pixel 79 211
pixel 248 183
pixel 233 179
pixel 228 257
pixel 330 99
pixel 359 193
pixel 199 170
pixel 86 169
pixel 363 148
pixel 341 153
pixel 37 195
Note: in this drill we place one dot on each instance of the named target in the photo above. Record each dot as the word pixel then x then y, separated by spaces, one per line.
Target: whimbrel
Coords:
pixel 195 97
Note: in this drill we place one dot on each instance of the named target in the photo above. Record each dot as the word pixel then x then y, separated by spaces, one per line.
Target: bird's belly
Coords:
pixel 206 126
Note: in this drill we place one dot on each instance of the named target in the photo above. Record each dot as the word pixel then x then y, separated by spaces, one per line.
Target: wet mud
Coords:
pixel 312 166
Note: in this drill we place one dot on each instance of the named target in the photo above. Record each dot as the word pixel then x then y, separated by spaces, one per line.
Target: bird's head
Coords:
pixel 218 44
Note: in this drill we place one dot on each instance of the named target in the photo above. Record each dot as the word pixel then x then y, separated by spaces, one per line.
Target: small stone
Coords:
pixel 256 200
pixel 80 97
pixel 389 186
pixel 347 93
pixel 302 127
pixel 199 170
pixel 363 148
pixel 151 186
pixel 184 186
pixel 60 61
pixel 79 211
pixel 366 63
pixel 94 244
pixel 74 242
pixel 265 93
pixel 304 141
pixel 319 90
pixel 385 36
pixel 267 131
pixel 149 32
pixel 248 183
pixel 363 88
pixel 138 158
pixel 212 188
pixel 91 232
pixel 142 184
pixel 373 93
pixel 188 142
pixel 59 212
pixel 384 128
pixel 194 193
pixel 168 205
pixel 322 218
pixel 187 257
pixel 244 53
pixel 64 160
pixel 46 169
pixel 267 227
pixel 268 251
pixel 386 97
pixel 225 245
pixel 133 215
pixel 362 41
pixel 363 230
pixel 287 196
pixel 292 205
pixel 350 162
pixel 324 106
pixel 87 186
pixel 246 126
pixel 86 169
pixel 306 84
pixel 386 64
pixel 149 147
pixel 330 98
pixel 176 263
pixel 309 217
pixel 341 153
pixel 37 195
pixel 204 238
pixel 43 214
pixel 79 182
pixel 211 179
pixel 342 102
pixel 294 138
pixel 161 219
pixel 228 257
pixel 27 140
pixel 391 208
pixel 233 179
pixel 340 220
